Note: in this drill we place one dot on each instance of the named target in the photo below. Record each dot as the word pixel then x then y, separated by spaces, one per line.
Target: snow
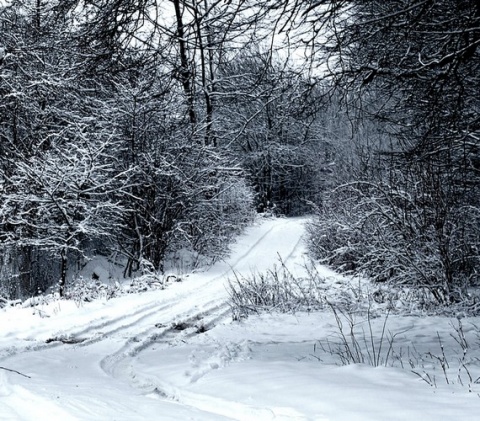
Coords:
pixel 176 354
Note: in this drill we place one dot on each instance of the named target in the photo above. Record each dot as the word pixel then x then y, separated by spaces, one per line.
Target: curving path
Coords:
pixel 101 376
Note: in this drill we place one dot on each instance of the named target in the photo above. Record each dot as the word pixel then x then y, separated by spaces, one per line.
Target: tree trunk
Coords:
pixel 185 73
pixel 63 273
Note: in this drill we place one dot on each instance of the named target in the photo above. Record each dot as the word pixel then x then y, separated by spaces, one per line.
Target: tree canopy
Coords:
pixel 146 128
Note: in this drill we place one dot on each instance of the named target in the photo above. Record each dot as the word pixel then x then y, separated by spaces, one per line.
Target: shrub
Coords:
pixel 276 290
pixel 388 235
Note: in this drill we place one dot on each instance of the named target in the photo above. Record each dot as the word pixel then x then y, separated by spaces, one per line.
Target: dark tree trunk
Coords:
pixel 185 73
pixel 63 273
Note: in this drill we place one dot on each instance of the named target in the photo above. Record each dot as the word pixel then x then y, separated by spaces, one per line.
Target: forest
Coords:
pixel 141 130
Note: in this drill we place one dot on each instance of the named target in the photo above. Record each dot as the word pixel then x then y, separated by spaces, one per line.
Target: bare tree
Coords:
pixel 411 67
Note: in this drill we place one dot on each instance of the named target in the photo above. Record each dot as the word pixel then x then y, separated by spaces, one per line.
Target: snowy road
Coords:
pixel 175 354
pixel 94 377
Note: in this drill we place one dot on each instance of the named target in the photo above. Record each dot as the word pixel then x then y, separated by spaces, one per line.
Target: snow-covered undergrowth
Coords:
pixel 367 323
pixel 82 290
pixel 173 352
pixel 317 288
pixel 275 290
pixel 452 357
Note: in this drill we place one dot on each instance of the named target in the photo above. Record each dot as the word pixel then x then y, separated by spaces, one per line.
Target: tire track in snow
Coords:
pixel 154 335
pixel 155 309
pixel 251 250
pixel 265 242
pixel 294 250
pixel 125 321
pixel 119 324
pixel 127 334
pixel 209 316
pixel 209 312
pixel 96 330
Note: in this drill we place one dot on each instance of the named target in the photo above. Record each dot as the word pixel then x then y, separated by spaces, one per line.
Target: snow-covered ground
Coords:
pixel 176 354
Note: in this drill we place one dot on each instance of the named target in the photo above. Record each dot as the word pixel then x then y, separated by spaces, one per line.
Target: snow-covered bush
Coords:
pixel 276 290
pixel 387 235
pixel 83 290
pixel 187 199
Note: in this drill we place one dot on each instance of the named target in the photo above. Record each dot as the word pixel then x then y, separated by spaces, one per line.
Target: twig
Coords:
pixel 15 371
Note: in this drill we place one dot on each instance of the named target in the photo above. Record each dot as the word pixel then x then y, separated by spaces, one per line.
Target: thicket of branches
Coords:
pixel 148 127
pixel 140 129
pixel 410 71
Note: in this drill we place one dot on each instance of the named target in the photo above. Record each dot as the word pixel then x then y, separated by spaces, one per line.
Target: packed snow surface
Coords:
pixel 176 354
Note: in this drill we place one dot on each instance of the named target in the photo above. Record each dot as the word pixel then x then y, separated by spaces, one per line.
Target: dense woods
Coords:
pixel 409 72
pixel 143 129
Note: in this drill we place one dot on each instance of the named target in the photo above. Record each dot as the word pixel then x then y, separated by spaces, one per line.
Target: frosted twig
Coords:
pixel 15 371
